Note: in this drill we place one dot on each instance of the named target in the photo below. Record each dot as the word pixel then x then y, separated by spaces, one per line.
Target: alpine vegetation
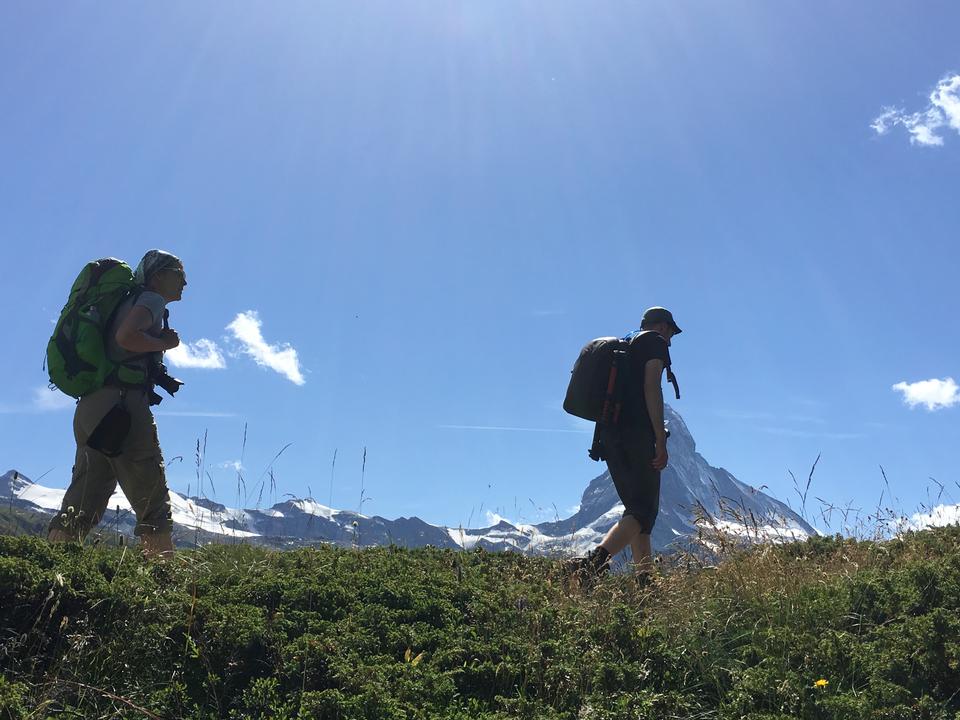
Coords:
pixel 824 628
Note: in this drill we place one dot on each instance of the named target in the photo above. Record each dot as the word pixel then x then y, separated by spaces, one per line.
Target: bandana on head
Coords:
pixel 155 261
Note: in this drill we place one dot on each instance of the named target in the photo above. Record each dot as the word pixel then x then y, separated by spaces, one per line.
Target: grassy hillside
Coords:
pixel 14 521
pixel 825 629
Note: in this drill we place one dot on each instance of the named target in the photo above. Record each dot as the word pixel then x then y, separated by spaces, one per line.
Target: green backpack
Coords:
pixel 77 352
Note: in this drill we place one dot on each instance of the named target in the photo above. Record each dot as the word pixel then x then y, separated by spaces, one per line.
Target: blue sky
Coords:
pixel 429 207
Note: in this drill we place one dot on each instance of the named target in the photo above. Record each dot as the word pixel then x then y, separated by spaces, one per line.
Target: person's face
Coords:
pixel 170 283
pixel 666 332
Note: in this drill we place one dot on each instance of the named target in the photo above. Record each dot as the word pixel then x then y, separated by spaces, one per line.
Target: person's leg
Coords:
pixel 621 534
pixel 92 480
pixel 140 472
pixel 644 503
pixel 56 535
pixel 157 545
pixel 627 461
pixel 597 561
pixel 91 485
pixel 642 553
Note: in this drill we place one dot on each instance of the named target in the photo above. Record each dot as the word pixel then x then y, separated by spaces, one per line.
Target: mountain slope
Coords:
pixel 690 488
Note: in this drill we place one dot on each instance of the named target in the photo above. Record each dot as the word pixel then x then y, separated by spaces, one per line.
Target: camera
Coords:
pixel 168 383
pixel 161 378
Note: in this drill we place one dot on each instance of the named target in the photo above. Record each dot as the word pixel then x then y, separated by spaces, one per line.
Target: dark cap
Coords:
pixel 660 315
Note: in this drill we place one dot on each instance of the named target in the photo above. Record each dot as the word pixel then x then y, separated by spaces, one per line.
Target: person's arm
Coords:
pixel 132 334
pixel 653 394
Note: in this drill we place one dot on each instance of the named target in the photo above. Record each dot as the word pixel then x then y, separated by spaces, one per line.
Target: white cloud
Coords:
pixel 933 394
pixel 282 359
pixel 924 126
pixel 946 98
pixel 234 465
pixel 201 354
pixel 940 516
pixel 47 400
pixel 886 120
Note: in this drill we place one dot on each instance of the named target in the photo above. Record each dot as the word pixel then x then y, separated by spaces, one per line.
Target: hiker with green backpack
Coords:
pixel 616 382
pixel 107 351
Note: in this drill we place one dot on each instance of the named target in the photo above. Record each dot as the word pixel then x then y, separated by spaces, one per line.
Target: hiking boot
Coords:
pixel 645 580
pixel 584 571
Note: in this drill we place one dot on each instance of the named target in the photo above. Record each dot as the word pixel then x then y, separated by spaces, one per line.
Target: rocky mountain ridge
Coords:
pixel 694 495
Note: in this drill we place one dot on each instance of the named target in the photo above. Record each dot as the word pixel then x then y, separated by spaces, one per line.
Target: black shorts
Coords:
pixel 629 452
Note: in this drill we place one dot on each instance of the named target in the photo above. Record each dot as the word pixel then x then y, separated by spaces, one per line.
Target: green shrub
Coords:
pixel 12 700
pixel 244 632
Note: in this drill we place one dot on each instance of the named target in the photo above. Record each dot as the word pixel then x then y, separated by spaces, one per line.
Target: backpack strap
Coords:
pixel 113 378
pixel 68 349
pixel 673 381
pixel 612 401
pixel 671 378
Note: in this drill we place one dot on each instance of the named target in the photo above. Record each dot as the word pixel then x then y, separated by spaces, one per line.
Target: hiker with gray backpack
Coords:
pixel 616 382
pixel 107 351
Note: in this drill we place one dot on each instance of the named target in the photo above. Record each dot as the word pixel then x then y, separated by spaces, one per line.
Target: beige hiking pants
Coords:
pixel 138 469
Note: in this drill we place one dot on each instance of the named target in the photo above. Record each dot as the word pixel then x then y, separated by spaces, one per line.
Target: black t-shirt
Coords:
pixel 643 347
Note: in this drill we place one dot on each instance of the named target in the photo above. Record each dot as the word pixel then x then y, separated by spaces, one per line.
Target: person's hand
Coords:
pixel 660 457
pixel 170 338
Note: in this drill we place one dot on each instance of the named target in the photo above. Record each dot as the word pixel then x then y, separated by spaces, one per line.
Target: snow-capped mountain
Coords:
pixel 690 489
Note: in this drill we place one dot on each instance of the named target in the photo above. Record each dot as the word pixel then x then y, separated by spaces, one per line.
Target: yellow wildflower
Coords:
pixel 821 683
